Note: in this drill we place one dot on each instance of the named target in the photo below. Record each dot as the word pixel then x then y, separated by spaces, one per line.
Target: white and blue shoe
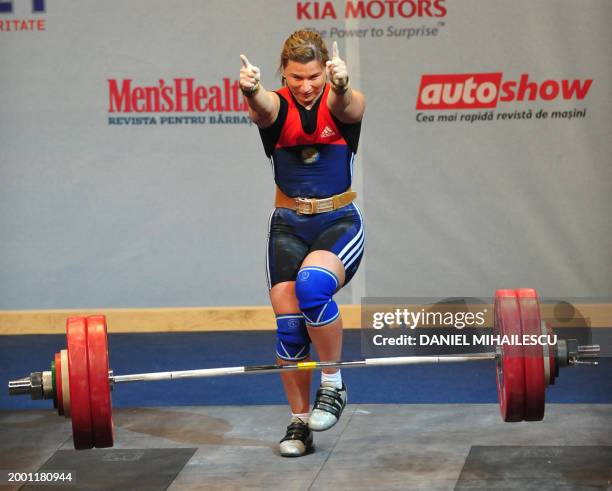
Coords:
pixel 328 407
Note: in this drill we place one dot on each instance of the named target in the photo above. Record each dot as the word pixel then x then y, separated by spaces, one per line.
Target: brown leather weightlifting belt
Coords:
pixel 310 206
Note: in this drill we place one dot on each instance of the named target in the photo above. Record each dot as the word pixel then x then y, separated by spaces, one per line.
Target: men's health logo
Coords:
pixel 176 101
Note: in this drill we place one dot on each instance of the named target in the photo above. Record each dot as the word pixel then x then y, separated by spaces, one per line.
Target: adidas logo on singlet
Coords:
pixel 327 132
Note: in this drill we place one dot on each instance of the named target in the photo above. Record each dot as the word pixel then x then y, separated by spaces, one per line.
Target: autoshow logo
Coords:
pixel 371 9
pixel 486 90
pixel 7 24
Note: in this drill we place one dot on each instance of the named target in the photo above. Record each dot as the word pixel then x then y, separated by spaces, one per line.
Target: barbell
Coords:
pixel 80 379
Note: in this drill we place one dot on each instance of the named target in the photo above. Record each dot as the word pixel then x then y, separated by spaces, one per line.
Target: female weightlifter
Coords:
pixel 310 130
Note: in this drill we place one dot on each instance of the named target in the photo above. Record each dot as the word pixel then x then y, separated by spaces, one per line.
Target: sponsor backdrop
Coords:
pixel 131 176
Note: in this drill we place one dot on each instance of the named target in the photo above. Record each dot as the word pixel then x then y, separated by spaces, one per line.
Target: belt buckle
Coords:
pixel 306 206
pixel 325 204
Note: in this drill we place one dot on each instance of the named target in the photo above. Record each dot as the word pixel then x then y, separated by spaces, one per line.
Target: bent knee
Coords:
pixel 292 339
pixel 314 289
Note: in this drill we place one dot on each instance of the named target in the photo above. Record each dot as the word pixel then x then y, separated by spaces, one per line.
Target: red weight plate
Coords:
pixel 99 387
pixel 58 384
pixel 510 367
pixel 78 371
pixel 535 384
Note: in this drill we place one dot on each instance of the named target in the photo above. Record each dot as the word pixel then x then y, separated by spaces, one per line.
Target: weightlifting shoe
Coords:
pixel 297 441
pixel 327 408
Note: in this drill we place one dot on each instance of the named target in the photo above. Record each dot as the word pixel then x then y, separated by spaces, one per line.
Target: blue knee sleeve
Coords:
pixel 292 340
pixel 314 289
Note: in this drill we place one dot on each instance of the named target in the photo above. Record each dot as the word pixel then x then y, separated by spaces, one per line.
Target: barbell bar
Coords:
pixel 305 365
pixel 80 379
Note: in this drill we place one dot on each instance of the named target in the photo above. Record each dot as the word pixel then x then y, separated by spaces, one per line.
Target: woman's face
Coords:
pixel 306 81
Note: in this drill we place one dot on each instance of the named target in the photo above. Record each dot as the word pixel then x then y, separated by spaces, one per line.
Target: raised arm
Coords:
pixel 346 104
pixel 263 104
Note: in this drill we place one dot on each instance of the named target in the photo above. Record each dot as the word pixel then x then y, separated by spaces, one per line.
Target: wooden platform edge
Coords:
pixel 188 319
pixel 255 318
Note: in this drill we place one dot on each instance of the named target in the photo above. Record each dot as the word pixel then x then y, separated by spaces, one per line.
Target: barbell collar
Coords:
pixel 47 385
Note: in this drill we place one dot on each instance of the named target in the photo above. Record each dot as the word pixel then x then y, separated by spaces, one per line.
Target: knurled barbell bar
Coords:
pixel 80 379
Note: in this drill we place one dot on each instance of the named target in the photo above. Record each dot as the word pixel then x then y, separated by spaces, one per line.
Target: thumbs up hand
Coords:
pixel 336 70
pixel 249 77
